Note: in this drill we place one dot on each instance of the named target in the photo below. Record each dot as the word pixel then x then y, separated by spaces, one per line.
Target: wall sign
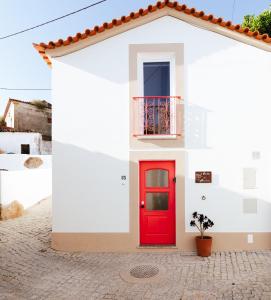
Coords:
pixel 123 179
pixel 203 177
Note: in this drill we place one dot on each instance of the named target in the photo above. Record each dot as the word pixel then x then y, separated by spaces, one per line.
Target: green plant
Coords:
pixel 2 122
pixel 261 23
pixel 39 104
pixel 201 222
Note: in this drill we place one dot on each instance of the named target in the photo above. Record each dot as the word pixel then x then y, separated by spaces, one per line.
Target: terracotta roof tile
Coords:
pixel 41 47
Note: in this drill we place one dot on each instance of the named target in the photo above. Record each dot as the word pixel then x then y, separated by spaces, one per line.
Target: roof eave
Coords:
pixel 198 19
pixel 41 50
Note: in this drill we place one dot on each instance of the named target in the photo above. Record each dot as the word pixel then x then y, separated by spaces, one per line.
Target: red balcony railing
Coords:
pixel 155 115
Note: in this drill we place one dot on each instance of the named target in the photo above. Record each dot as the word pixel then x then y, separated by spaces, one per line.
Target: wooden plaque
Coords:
pixel 203 177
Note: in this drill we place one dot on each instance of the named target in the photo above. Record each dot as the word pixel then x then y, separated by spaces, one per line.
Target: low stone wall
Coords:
pixel 11 211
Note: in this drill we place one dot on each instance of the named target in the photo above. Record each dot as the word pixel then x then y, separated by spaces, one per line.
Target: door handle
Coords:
pixel 142 204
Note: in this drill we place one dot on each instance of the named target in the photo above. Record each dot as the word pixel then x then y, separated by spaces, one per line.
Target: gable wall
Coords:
pixel 10 116
pixel 226 119
pixel 28 117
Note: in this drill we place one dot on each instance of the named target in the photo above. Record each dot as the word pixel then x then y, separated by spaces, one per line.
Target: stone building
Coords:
pixel 30 117
pixel 34 116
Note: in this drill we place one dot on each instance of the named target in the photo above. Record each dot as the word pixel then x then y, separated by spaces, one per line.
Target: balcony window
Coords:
pixel 155 111
pixel 155 116
pixel 156 78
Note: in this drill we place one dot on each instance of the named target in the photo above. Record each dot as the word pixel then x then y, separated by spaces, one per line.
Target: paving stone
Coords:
pixel 30 269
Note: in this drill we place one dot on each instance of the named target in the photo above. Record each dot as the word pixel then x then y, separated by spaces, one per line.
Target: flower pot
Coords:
pixel 204 245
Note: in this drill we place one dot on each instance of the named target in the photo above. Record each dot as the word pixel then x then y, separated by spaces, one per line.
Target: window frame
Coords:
pixel 146 57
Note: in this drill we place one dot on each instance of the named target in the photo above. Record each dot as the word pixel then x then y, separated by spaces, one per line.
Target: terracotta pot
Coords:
pixel 204 246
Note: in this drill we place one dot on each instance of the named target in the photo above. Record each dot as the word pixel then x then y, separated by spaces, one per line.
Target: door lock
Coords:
pixel 142 204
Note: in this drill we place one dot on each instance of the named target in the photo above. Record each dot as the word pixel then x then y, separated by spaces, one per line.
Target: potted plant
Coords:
pixel 203 243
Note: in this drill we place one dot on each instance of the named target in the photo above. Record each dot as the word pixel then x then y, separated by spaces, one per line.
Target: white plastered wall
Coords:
pixel 91 142
pixel 226 118
pixel 10 142
pixel 10 116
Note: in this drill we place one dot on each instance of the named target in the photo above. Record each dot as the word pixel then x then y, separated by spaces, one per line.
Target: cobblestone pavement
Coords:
pixel 29 269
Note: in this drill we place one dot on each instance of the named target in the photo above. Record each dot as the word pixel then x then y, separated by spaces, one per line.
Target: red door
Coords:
pixel 157 203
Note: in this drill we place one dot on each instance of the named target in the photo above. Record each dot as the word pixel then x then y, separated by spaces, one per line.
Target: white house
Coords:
pixel 20 142
pixel 12 142
pixel 168 93
pixel 34 116
pixel 28 127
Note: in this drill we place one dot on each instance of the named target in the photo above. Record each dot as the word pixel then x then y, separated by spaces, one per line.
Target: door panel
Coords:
pixel 157 202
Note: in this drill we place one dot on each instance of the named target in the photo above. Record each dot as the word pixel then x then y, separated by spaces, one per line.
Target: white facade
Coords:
pixel 10 116
pixel 10 142
pixel 94 153
pixel 226 121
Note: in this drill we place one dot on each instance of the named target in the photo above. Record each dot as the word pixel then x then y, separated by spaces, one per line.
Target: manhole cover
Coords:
pixel 144 271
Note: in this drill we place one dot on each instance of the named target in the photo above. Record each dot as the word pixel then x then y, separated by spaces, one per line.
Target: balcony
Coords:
pixel 155 117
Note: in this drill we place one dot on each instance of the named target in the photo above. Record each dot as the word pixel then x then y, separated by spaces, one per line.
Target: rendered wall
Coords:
pixel 46 147
pixel 226 119
pixel 29 117
pixel 10 142
pixel 90 143
pixel 10 116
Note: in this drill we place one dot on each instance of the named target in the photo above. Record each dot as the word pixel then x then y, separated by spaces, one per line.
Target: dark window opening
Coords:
pixel 156 97
pixel 25 149
pixel 156 79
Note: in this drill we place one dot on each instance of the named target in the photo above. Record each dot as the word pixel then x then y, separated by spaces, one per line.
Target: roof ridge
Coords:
pixel 24 102
pixel 28 102
pixel 42 47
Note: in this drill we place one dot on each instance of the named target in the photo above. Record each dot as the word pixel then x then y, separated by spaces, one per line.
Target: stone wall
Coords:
pixel 31 118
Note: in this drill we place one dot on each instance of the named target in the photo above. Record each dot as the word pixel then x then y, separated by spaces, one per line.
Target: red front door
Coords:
pixel 157 203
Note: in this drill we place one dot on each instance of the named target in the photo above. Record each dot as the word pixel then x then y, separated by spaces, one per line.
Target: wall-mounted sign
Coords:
pixel 203 177
pixel 123 179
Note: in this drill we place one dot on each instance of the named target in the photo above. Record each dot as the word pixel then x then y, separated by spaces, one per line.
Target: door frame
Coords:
pixel 138 201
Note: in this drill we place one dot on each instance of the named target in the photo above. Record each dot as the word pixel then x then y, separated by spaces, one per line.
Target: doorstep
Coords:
pixel 157 247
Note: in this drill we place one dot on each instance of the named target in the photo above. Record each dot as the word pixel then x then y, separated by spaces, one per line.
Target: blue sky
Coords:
pixel 22 67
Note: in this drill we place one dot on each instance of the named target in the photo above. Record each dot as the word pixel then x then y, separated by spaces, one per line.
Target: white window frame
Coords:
pixel 157 57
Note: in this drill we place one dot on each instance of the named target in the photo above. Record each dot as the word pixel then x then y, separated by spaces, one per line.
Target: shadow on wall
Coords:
pixel 109 68
pixel 196 127
pixel 84 184
pixel 224 206
pixel 89 195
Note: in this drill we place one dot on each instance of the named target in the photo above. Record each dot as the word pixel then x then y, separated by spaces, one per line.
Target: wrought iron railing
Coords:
pixel 155 115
